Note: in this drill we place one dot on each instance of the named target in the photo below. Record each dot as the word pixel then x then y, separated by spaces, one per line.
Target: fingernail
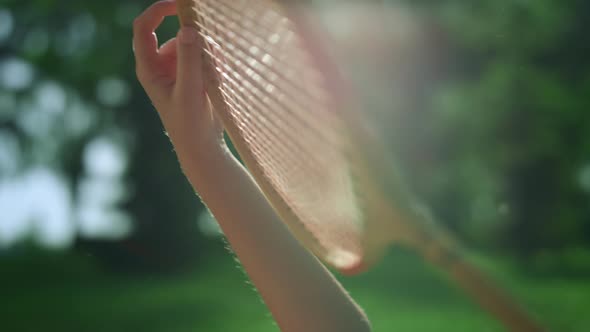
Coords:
pixel 188 35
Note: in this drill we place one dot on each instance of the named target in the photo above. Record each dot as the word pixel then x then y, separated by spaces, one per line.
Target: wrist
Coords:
pixel 201 158
pixel 196 149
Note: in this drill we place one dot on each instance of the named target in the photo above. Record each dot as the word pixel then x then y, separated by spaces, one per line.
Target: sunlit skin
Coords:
pixel 300 292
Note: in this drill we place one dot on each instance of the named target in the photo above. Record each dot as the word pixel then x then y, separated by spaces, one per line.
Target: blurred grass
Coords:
pixel 66 292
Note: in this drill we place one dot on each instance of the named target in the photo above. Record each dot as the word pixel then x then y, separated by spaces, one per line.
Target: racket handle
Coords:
pixel 187 13
pixel 485 292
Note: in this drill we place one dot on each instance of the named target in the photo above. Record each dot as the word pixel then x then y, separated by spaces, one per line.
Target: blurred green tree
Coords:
pixel 504 155
pixel 84 49
pixel 509 124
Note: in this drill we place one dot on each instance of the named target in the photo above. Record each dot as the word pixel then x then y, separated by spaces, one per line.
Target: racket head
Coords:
pixel 292 119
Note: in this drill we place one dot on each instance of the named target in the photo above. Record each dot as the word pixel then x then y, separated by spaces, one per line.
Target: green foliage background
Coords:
pixel 504 162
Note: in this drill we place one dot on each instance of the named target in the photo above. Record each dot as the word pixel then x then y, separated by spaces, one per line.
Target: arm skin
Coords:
pixel 300 292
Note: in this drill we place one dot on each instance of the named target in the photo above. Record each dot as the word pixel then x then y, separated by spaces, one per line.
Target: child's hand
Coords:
pixel 299 291
pixel 172 77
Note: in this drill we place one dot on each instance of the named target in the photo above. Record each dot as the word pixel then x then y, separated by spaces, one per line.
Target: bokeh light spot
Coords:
pixel 6 24
pixel 112 92
pixel 15 74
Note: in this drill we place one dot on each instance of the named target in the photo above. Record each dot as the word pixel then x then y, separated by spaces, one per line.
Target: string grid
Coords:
pixel 277 98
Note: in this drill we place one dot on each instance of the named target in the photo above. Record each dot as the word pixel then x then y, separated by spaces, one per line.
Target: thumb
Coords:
pixel 189 80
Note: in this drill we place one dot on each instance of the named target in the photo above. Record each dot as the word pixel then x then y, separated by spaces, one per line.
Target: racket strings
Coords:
pixel 261 99
pixel 269 154
pixel 261 91
pixel 242 92
pixel 267 86
pixel 275 27
pixel 266 77
pixel 265 59
pixel 278 102
pixel 289 154
pixel 252 126
pixel 291 157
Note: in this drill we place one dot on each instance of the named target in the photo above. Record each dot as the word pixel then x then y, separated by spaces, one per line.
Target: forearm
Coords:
pixel 300 292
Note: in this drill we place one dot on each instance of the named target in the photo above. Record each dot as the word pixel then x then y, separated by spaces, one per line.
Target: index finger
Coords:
pixel 145 42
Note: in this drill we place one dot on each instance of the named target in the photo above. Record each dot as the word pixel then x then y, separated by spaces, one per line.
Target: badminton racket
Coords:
pixel 296 125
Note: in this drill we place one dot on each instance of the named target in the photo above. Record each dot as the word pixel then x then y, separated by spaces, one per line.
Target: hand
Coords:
pixel 172 77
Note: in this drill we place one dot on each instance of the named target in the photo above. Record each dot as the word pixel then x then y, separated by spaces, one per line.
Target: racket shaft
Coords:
pixel 475 282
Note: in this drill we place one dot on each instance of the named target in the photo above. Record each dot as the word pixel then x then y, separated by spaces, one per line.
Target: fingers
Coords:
pixel 145 43
pixel 168 49
pixel 189 80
